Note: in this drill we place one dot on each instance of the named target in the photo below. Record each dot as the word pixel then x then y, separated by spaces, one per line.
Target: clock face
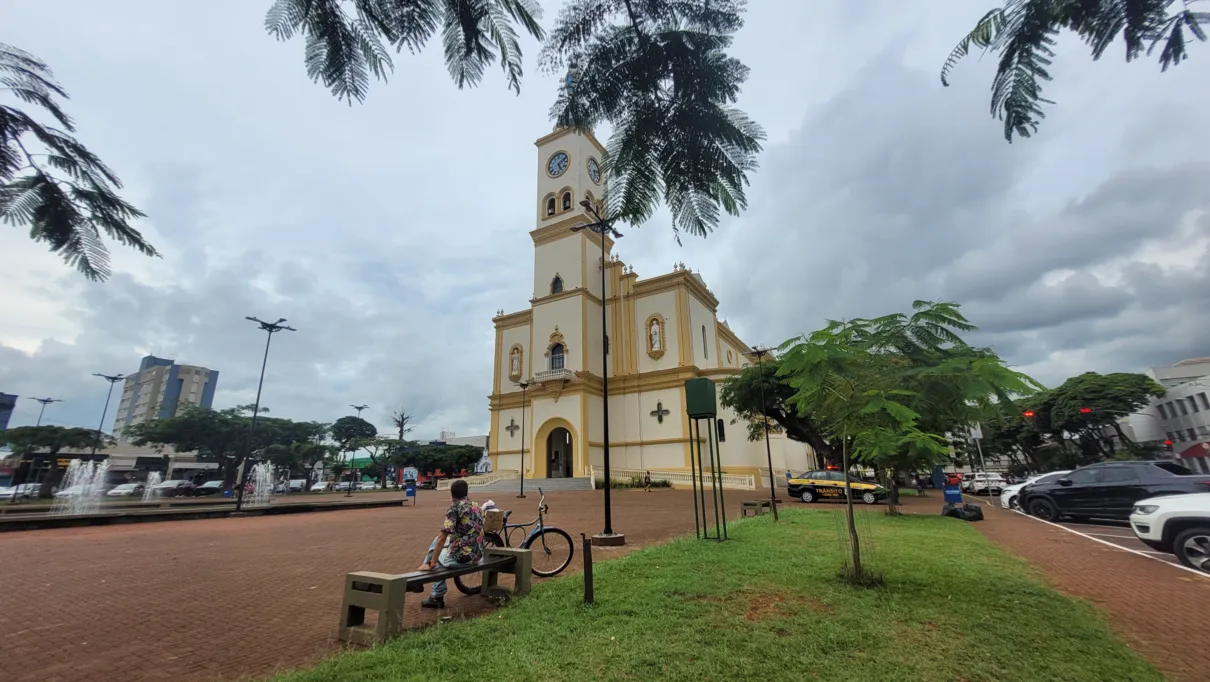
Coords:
pixel 594 170
pixel 557 164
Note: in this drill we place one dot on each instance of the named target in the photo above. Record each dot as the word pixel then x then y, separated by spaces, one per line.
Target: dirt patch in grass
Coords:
pixel 759 604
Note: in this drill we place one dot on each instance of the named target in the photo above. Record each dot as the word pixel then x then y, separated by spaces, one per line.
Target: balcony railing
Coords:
pixel 561 374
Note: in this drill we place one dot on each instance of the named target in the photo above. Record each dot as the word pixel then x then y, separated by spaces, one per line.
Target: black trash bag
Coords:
pixel 965 511
pixel 951 509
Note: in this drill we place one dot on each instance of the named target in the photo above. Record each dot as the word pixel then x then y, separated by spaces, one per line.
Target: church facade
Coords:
pixel 660 331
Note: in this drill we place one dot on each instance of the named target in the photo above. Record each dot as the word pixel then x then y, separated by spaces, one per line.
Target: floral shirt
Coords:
pixel 464 523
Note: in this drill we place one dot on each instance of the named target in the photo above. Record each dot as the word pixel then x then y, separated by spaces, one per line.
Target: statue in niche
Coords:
pixel 656 341
pixel 514 366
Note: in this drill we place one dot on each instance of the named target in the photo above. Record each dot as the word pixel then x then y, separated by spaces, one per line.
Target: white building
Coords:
pixel 1182 415
pixel 661 330
pixel 160 389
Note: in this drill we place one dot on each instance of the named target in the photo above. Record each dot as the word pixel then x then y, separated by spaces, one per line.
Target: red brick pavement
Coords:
pixel 1160 611
pixel 232 598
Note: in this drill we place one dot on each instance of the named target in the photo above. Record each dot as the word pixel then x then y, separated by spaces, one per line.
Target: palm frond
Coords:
pixel 985 32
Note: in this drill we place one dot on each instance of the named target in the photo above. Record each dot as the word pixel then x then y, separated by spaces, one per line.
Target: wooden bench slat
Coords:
pixel 417 579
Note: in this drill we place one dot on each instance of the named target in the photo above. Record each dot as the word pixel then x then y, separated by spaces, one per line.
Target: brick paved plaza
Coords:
pixel 231 598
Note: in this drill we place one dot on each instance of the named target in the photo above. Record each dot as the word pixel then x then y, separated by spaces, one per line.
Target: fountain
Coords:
pixel 262 484
pixel 153 479
pixel 86 483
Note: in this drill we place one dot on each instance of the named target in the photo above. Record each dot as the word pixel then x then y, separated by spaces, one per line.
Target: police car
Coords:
pixel 813 486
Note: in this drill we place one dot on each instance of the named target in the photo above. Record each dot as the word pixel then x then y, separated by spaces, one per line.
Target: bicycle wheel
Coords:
pixel 551 550
pixel 472 583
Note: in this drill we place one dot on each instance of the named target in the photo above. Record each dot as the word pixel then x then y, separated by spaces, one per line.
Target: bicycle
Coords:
pixel 544 542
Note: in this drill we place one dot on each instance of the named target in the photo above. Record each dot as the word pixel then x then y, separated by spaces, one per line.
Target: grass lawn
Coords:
pixel 767 605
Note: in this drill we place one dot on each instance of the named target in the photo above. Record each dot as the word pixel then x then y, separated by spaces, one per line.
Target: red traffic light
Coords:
pixel 1168 443
pixel 1085 410
pixel 1028 414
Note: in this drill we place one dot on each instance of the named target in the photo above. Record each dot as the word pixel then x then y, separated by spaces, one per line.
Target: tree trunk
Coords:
pixel 892 497
pixel 854 543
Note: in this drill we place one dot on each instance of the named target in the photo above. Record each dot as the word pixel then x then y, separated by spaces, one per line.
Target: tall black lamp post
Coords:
pixel 47 401
pixel 602 228
pixel 359 408
pixel 524 385
pixel 272 328
pixel 112 380
pixel 760 354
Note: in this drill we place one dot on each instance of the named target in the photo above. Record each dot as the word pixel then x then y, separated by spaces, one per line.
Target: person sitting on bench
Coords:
pixel 463 531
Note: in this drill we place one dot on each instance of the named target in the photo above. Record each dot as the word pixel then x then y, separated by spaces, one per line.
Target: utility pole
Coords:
pixel 112 380
pixel 272 328
pixel 524 386
pixel 47 401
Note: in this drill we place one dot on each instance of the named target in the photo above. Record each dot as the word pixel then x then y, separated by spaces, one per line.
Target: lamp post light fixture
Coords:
pixel 524 385
pixel 359 408
pixel 112 380
pixel 272 328
pixel 760 354
pixel 602 227
pixel 45 402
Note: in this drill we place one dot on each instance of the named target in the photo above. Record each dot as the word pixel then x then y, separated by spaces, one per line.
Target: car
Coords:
pixel 1010 494
pixel 981 482
pixel 297 485
pixel 367 485
pixel 175 488
pixel 127 490
pixel 1179 524
pixel 1109 490
pixel 209 488
pixel 321 487
pixel 24 491
pixel 75 491
pixel 812 486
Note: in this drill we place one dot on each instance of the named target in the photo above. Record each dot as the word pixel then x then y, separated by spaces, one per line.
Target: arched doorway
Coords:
pixel 558 453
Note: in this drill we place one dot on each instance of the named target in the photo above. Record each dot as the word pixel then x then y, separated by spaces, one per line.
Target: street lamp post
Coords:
pixel 602 228
pixel 112 380
pixel 47 401
pixel 359 408
pixel 524 386
pixel 272 328
pixel 760 354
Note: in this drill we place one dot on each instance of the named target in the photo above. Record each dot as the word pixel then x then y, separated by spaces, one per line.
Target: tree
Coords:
pixel 429 459
pixel 889 388
pixel 1022 34
pixel 215 436
pixel 1091 402
pixel 349 431
pixel 53 183
pixel 298 457
pixel 379 450
pixel 656 70
pixel 742 393
pixel 402 421
pixel 29 440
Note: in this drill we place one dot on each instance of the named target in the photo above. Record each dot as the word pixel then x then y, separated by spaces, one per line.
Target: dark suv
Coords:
pixel 1108 490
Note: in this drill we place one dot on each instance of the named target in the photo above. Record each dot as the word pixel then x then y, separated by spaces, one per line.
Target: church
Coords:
pixel 659 332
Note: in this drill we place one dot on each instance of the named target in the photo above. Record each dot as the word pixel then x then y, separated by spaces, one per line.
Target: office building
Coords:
pixel 161 388
pixel 7 402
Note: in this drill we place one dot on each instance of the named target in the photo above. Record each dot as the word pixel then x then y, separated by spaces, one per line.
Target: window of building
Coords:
pixel 556 285
pixel 567 201
pixel 1163 412
pixel 556 356
pixel 1168 435
pixel 1192 434
pixel 1205 403
pixel 705 346
pixel 1180 436
pixel 550 206
pixel 1181 404
pixel 1193 404
pixel 1171 410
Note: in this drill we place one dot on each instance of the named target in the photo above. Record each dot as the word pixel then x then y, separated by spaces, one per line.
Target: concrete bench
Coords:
pixel 757 507
pixel 385 593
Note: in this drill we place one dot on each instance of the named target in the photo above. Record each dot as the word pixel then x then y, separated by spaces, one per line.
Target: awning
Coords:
pixel 1195 450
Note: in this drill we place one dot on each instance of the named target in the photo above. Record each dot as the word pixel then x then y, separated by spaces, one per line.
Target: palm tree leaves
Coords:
pixel 53 183
pixel 1022 33
pixel 662 78
pixel 344 49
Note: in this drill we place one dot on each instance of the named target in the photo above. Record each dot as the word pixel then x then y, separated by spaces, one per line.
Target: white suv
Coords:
pixel 1176 523
pixel 983 483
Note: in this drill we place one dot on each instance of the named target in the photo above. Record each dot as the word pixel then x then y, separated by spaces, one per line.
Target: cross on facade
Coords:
pixel 512 428
pixel 659 412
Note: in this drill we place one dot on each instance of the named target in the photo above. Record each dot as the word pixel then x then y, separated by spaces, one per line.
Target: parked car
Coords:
pixel 75 491
pixel 367 485
pixel 175 488
pixel 813 486
pixel 981 483
pixel 209 488
pixel 321 487
pixel 1009 496
pixel 297 485
pixel 127 490
pixel 1109 490
pixel 24 491
pixel 1179 524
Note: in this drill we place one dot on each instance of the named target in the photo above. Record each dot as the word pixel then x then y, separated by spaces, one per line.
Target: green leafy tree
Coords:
pixel 51 182
pixel 1022 33
pixel 214 436
pixel 1091 403
pixel 656 70
pixel 29 440
pixel 298 458
pixel 742 393
pixel 402 422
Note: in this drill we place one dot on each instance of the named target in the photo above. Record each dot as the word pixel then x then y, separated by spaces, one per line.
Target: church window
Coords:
pixel 705 348
pixel 556 356
pixel 556 285
pixel 550 206
pixel 567 201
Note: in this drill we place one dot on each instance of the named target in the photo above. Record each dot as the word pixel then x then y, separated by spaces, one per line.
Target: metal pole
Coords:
pixel 986 481
pixel 722 501
pixel 716 488
pixel 524 385
pixel 760 355
pixel 112 380
pixel 43 410
pixel 239 499
pixel 701 474
pixel 605 392
pixel 697 529
pixel 588 596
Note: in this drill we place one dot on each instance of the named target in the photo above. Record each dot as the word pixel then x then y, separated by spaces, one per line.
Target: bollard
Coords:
pixel 587 568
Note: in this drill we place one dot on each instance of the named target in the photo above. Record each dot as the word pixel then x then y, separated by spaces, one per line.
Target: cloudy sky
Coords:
pixel 389 233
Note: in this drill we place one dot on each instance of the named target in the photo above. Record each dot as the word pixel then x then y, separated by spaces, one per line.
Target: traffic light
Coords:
pixel 1168 445
pixel 1085 410
pixel 1028 414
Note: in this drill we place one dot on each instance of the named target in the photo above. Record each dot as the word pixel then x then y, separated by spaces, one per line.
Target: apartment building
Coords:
pixel 1182 415
pixel 161 388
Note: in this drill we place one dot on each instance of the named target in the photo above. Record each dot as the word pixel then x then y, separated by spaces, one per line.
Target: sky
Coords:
pixel 389 233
